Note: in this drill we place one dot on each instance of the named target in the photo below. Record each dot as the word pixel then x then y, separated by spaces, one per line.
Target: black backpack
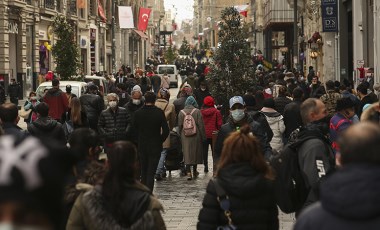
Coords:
pixel 290 188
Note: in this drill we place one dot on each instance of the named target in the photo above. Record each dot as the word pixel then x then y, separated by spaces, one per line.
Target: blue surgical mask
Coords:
pixel 238 114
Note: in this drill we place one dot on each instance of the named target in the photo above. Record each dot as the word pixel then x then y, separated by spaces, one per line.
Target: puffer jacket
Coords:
pixel 170 116
pixel 276 123
pixel 57 101
pixel 93 105
pixel 251 196
pixel 46 127
pixel 349 200
pixel 140 208
pixel 212 120
pixel 112 126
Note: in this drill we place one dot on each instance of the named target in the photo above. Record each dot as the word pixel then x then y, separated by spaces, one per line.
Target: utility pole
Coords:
pixel 295 36
pixel 113 37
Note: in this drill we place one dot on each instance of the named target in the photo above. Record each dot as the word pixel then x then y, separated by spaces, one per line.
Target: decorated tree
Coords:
pixel 66 50
pixel 205 44
pixel 185 47
pixel 170 55
pixel 230 73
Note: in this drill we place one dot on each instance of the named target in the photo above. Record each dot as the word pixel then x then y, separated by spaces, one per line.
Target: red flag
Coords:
pixel 242 9
pixel 143 18
pixel 81 4
pixel 101 12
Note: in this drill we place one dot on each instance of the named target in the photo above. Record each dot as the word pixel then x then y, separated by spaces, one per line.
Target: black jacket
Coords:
pixel 231 126
pixel 112 126
pixel 14 90
pixel 93 105
pixel 14 130
pixel 179 104
pixel 131 109
pixel 46 127
pixel 152 129
pixel 251 197
pixel 280 103
pixel 260 118
pixel 200 96
pixel 349 200
pixel 292 117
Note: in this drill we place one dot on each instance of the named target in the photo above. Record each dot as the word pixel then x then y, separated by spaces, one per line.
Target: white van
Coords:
pixel 77 87
pixel 172 72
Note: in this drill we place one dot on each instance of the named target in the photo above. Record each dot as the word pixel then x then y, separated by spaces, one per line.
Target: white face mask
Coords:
pixel 112 104
pixel 136 101
pixel 238 114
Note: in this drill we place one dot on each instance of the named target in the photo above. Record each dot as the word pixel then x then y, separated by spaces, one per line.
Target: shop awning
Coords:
pixel 141 34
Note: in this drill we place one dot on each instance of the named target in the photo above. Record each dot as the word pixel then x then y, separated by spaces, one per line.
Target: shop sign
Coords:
pixel 330 15
pixel 12 27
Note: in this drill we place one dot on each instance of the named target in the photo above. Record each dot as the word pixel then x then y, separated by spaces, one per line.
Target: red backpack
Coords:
pixel 189 126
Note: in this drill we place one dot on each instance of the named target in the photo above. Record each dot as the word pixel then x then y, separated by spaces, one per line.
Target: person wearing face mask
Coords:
pixel 135 103
pixel 201 92
pixel 31 103
pixel 315 155
pixel 113 122
pixel 237 118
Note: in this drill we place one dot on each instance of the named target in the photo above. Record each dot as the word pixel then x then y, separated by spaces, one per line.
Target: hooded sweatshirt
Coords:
pixel 46 127
pixel 212 120
pixel 276 123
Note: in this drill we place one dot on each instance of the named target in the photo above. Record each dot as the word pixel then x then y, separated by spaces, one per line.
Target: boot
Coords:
pixel 189 177
pixel 195 172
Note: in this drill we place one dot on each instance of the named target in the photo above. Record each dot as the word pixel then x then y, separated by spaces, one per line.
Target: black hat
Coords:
pixel 344 103
pixel 68 88
pixel 249 100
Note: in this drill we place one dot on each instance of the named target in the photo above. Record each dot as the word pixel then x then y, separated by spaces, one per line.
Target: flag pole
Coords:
pixel 113 37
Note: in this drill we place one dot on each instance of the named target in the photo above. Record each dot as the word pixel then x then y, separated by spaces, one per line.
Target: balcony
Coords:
pixel 17 3
pixel 72 8
pixel 277 12
pixel 49 4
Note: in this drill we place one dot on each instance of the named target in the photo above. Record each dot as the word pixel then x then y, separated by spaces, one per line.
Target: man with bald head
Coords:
pixel 350 197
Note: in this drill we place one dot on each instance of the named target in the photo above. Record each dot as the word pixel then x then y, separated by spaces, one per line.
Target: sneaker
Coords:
pixel 158 177
pixel 189 177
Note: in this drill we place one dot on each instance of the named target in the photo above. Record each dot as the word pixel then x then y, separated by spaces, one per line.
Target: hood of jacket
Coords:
pixel 134 202
pixel 241 180
pixel 45 124
pixel 272 115
pixel 314 130
pixel 208 112
pixel 353 192
pixel 54 91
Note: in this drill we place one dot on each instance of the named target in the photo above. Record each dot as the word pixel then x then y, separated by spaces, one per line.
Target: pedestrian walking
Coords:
pixel 247 183
pixel 56 100
pixel 92 104
pixel 163 103
pixel 276 123
pixel 212 119
pixel 121 201
pixel 281 100
pixel 30 104
pixel 135 103
pixel 9 120
pixel 192 130
pixel 330 98
pixel 201 93
pixel 165 81
pixel 359 207
pixel 156 82
pixel 14 90
pixel 152 130
pixel 292 114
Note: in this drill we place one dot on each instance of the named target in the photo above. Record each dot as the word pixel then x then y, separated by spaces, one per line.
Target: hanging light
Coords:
pixel 313 54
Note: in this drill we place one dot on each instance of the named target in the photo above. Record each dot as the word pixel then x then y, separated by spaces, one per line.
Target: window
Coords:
pixel 278 38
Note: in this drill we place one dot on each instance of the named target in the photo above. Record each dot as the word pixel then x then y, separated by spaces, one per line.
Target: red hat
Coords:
pixel 209 101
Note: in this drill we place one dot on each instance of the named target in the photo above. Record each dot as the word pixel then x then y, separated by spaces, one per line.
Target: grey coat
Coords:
pixel 192 146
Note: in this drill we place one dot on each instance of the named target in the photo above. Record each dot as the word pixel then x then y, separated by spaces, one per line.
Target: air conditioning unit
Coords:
pixel 83 40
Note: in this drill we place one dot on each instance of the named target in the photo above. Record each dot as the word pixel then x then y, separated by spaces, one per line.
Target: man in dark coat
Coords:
pixel 14 91
pixel 201 93
pixel 152 131
pixel 9 119
pixel 56 100
pixel 93 105
pixel 238 117
pixel 282 100
pixel 135 103
pixel 350 197
pixel 292 114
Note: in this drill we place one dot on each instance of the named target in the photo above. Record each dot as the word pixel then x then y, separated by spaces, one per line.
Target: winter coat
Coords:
pixel 131 109
pixel 112 126
pixel 14 90
pixel 349 201
pixel 139 207
pixel 232 126
pixel 261 119
pixel 200 96
pixel 165 82
pixel 251 198
pixel 152 129
pixel 179 104
pixel 212 119
pixel 93 105
pixel 29 105
pixel 330 99
pixel 189 80
pixel 316 160
pixel 280 102
pixel 292 117
pixel 14 130
pixel 276 123
pixel 365 100
pixel 316 91
pixel 45 127
pixel 170 116
pixel 192 146
pixel 84 120
pixel 57 101
pixel 338 124
pixel 2 95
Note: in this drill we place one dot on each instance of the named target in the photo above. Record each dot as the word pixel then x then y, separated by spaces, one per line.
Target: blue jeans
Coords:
pixel 161 164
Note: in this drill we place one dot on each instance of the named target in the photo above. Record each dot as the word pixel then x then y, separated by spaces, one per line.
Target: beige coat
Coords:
pixel 192 146
pixel 169 115
pixel 165 82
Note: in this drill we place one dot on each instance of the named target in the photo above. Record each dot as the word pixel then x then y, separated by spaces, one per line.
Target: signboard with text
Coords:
pixel 330 16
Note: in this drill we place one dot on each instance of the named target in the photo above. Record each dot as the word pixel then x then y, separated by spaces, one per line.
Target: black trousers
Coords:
pixel 148 165
pixel 207 143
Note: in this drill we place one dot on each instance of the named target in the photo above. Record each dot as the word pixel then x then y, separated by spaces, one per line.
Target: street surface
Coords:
pixel 182 199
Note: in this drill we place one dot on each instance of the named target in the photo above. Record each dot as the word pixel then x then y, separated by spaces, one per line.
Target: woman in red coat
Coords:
pixel 212 119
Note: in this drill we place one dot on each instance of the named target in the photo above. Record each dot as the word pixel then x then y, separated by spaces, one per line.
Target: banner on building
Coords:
pixel 101 12
pixel 242 9
pixel 330 15
pixel 81 4
pixel 126 17
pixel 143 18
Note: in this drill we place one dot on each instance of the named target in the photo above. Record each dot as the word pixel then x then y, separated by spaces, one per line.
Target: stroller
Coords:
pixel 174 156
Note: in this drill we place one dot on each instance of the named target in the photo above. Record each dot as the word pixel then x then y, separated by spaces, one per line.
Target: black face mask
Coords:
pixel 323 125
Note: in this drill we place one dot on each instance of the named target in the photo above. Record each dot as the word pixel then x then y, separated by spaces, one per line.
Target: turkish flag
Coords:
pixel 143 18
pixel 81 4
pixel 101 12
pixel 242 9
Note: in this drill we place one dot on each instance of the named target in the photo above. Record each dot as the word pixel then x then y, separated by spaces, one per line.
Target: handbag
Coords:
pixel 24 113
pixel 224 203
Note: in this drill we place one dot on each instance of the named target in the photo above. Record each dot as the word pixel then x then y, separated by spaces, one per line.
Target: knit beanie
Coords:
pixel 249 100
pixel 209 101
pixel 191 101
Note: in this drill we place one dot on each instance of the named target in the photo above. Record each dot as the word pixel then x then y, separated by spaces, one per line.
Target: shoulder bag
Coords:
pixel 224 203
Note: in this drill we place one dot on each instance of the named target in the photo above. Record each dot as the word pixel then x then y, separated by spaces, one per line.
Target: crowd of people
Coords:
pixel 102 158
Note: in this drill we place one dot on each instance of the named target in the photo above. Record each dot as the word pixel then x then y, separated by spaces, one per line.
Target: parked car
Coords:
pixel 172 72
pixel 77 87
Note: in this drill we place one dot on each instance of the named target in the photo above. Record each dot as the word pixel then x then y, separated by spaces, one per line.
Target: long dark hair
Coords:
pixel 122 162
pixel 243 146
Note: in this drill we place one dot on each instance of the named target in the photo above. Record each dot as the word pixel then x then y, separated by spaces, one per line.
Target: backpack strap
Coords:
pixel 166 106
pixel 192 111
